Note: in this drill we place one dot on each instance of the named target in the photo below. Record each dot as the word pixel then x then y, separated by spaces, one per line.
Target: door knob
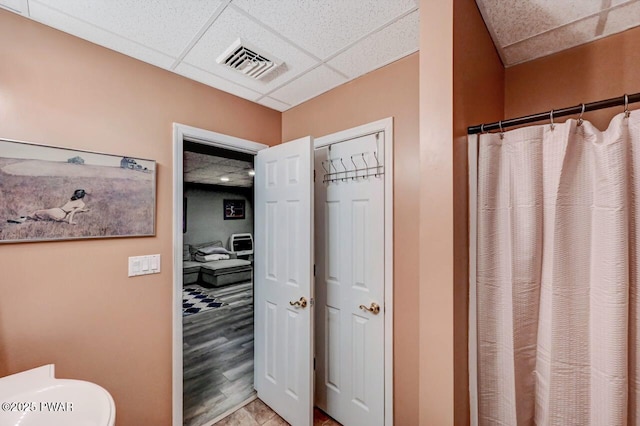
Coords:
pixel 302 303
pixel 374 309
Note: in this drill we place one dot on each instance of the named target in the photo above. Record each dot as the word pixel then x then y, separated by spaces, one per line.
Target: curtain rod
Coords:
pixel 608 103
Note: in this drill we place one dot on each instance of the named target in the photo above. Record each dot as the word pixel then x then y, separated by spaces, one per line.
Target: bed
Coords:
pixel 196 269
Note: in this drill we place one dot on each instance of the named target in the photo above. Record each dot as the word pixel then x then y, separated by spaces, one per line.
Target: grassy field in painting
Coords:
pixel 121 202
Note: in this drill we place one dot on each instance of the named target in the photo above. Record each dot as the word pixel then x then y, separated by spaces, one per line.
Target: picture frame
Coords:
pixel 184 215
pixel 52 193
pixel 234 209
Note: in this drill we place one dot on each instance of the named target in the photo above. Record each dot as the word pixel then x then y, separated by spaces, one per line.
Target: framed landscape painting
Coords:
pixel 49 193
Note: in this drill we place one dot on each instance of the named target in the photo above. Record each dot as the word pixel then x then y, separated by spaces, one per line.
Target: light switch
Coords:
pixel 143 265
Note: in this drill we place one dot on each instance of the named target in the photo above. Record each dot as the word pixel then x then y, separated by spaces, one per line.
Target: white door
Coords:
pixel 350 278
pixel 283 279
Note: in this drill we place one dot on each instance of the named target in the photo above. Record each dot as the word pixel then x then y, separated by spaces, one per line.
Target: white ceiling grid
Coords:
pixel 527 30
pixel 322 43
pixel 232 25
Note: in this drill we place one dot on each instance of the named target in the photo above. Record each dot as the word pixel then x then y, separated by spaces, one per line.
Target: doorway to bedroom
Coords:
pixel 284 275
pixel 217 278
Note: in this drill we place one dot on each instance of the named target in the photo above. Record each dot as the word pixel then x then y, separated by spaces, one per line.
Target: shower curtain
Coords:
pixel 558 322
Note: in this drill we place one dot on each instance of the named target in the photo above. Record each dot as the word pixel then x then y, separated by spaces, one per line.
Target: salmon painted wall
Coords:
pixel 478 97
pixel 602 69
pixel 388 91
pixel 436 213
pixel 461 83
pixel 71 303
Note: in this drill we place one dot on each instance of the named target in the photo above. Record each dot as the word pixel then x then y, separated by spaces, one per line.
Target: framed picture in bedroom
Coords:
pixel 184 215
pixel 50 193
pixel 233 209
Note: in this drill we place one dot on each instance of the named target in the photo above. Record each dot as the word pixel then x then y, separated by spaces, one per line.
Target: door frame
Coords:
pixel 205 137
pixel 384 126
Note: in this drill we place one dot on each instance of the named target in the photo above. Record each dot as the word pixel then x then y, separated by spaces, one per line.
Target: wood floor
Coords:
pixel 218 355
pixel 218 364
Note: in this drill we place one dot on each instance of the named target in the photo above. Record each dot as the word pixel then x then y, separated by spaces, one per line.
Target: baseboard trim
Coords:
pixel 232 410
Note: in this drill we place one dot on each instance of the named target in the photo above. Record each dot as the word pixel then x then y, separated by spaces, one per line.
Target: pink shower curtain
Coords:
pixel 557 275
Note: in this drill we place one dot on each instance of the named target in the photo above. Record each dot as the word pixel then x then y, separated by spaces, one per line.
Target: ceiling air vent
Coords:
pixel 248 60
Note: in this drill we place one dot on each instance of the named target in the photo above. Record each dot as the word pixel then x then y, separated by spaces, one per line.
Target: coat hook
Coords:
pixel 345 170
pixel 366 166
pixel 355 169
pixel 375 155
pixel 325 179
pixel 333 179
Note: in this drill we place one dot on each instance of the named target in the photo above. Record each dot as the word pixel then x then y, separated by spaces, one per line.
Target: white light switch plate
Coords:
pixel 144 265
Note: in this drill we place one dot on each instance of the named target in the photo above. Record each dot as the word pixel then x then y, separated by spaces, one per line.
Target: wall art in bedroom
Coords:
pixel 233 209
pixel 50 193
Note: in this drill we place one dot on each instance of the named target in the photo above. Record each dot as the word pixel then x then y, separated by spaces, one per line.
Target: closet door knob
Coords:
pixel 374 309
pixel 302 303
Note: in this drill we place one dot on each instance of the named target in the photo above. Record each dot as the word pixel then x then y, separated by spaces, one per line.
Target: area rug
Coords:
pixel 195 301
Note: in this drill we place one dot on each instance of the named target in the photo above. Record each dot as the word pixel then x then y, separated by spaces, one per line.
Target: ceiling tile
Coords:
pixel 164 25
pixel 18 6
pixel 212 80
pixel 208 169
pixel 551 42
pixel 325 27
pixel 391 43
pixel 78 28
pixel 618 2
pixel 232 25
pixel 512 21
pixel 311 84
pixel 186 37
pixel 623 18
pixel 274 104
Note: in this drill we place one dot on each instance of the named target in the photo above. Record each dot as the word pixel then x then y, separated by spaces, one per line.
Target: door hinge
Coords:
pixel 311 301
pixel 314 175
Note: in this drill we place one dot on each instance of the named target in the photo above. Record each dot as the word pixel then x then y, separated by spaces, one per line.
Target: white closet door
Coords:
pixel 283 280
pixel 350 273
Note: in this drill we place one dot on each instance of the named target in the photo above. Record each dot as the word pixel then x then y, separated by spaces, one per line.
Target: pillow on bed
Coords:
pixel 210 257
pixel 195 247
pixel 212 250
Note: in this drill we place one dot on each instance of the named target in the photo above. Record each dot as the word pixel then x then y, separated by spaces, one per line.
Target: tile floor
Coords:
pixel 257 413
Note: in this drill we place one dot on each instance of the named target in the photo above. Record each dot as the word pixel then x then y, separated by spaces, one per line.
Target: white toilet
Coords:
pixel 35 398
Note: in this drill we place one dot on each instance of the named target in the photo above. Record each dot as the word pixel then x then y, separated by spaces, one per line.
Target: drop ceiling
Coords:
pixel 526 30
pixel 322 43
pixel 213 170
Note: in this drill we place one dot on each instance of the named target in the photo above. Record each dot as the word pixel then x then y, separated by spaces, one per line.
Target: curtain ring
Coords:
pixel 626 106
pixel 482 129
pixel 580 120
pixel 553 126
pixel 501 131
